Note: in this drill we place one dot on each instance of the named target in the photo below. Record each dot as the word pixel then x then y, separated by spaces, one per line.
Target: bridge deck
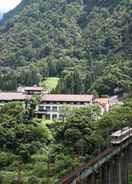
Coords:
pixel 93 165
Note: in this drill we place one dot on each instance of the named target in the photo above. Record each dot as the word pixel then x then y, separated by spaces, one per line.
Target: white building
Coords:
pixel 31 90
pixel 51 104
pixel 56 106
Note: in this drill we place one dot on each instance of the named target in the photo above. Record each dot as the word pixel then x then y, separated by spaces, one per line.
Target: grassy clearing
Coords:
pixel 50 83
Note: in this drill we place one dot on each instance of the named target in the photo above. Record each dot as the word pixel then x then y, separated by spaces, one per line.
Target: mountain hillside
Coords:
pixel 56 37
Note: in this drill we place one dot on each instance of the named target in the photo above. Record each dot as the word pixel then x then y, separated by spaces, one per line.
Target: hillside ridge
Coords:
pixel 64 36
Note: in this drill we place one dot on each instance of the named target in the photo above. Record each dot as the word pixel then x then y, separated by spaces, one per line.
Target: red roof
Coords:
pixel 10 96
pixel 67 98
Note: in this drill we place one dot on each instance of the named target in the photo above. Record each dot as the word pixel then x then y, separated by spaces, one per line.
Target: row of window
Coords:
pixel 54 116
pixel 48 108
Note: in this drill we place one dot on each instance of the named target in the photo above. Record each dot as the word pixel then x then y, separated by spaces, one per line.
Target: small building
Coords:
pixel 31 90
pixel 51 104
pixel 103 104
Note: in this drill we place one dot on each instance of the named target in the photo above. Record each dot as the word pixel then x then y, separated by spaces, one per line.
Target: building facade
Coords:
pixel 57 106
pixel 31 90
pixel 52 106
pixel 103 103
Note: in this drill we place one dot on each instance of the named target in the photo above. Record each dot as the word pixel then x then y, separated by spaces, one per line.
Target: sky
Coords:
pixel 6 5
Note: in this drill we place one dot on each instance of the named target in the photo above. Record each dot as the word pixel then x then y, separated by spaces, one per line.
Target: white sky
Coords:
pixel 6 5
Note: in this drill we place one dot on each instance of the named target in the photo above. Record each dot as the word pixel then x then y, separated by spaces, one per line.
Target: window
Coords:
pixel 54 108
pixel 54 116
pixel 61 117
pixel 47 116
pixel 41 108
pixel 48 108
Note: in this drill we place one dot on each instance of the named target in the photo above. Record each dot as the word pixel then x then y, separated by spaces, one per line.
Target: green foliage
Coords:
pixel 7 177
pixel 44 152
pixel 50 83
pixel 65 164
pixel 88 45
pixel 17 134
pixel 12 112
pixel 79 129
pixel 116 79
pixel 33 180
pixel 6 158
pixel 73 40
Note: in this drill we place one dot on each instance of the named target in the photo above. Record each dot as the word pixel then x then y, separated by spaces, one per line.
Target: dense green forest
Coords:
pixel 86 43
pixel 34 151
pixel 85 46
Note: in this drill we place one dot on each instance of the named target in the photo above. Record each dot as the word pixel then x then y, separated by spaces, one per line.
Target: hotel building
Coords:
pixel 51 104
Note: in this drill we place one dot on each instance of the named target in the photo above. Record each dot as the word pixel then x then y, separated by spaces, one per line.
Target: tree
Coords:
pixel 65 111
pixel 19 135
pixel 78 129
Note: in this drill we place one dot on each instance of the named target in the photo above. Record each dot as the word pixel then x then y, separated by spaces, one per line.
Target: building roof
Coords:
pixel 67 98
pixel 10 96
pixel 33 88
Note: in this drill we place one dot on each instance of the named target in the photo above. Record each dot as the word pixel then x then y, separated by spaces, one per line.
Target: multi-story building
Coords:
pixel 12 96
pixel 51 105
pixel 56 106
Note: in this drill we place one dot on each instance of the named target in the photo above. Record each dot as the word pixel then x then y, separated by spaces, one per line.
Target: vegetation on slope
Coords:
pixel 50 83
pixel 68 38
pixel 32 151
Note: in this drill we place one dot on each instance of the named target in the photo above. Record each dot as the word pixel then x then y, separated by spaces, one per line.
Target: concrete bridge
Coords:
pixel 109 167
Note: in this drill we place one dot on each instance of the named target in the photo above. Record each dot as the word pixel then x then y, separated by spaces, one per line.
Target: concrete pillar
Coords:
pixel 119 171
pixel 104 174
pixel 91 179
pixel 130 154
pixel 78 181
pixel 115 171
pixel 58 116
pixel 81 181
pixel 108 173
pixel 124 168
pixel 114 174
pixel 111 172
pixel 121 167
pixel 51 117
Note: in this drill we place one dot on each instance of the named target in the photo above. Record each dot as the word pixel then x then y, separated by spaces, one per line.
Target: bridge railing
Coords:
pixel 77 172
pixel 88 168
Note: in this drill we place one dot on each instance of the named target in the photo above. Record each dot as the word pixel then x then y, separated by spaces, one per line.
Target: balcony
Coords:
pixel 47 109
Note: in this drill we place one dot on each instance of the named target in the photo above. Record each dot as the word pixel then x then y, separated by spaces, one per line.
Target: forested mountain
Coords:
pixel 84 42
